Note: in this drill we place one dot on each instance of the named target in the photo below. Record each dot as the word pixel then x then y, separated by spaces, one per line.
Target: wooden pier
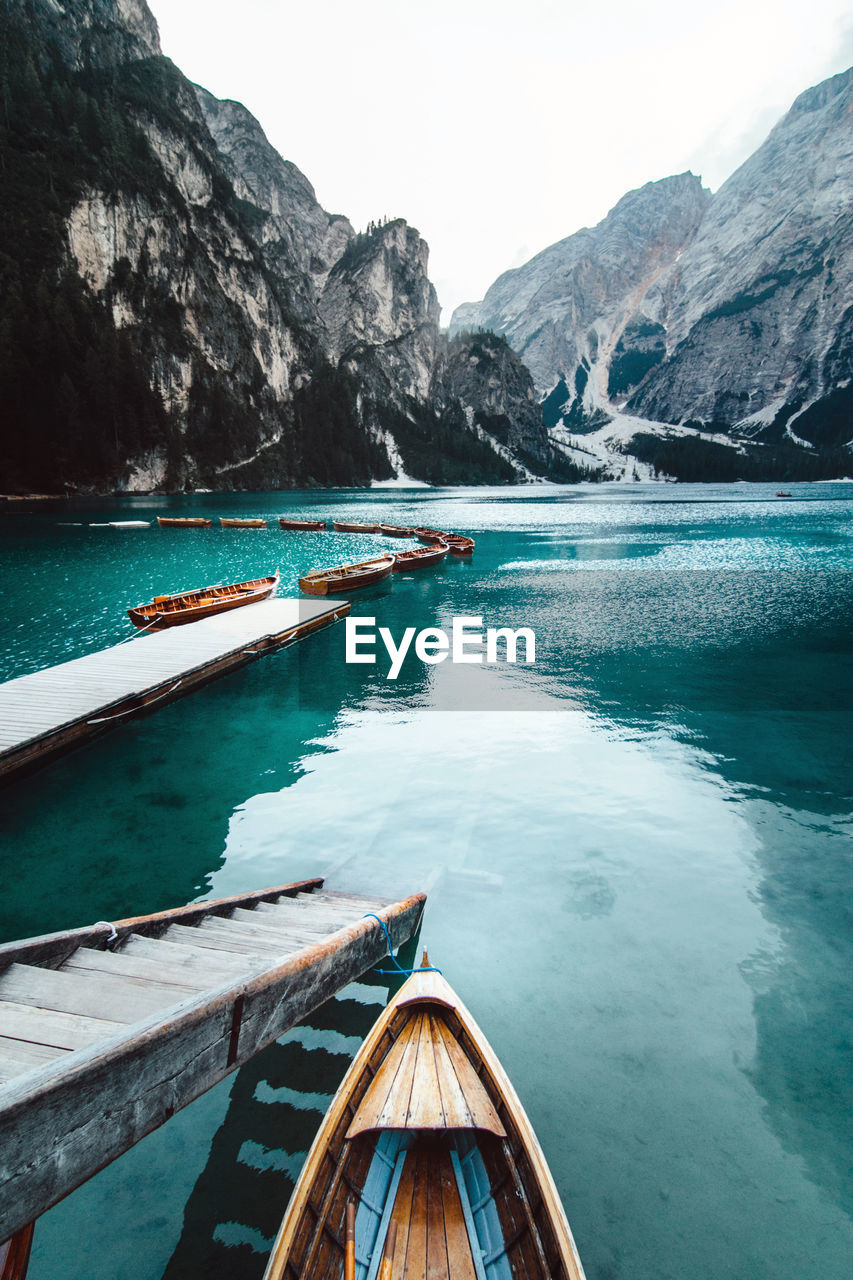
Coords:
pixel 51 711
pixel 107 1031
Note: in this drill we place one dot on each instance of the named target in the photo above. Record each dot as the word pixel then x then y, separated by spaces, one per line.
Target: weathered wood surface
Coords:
pixel 52 949
pixel 50 711
pixel 63 1120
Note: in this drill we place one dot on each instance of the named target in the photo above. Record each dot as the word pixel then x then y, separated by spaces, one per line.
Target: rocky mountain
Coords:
pixel 176 309
pixel 703 336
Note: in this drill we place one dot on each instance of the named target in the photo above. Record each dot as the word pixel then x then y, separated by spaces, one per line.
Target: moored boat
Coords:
pixel 427 1155
pixel 396 531
pixel 183 522
pixel 430 535
pixel 350 526
pixel 189 606
pixel 457 543
pixel 420 558
pixel 301 524
pixel 346 577
pixel 234 523
pixel 783 494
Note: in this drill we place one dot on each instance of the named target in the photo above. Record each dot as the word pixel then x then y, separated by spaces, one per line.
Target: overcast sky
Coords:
pixel 498 128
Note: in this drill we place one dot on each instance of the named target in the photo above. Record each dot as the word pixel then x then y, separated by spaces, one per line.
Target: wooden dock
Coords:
pixel 51 711
pixel 107 1031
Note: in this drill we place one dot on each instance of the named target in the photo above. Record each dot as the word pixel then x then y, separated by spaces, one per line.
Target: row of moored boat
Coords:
pixel 189 606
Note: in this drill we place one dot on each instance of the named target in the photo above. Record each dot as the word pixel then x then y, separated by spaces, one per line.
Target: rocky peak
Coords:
pixel 593 279
pixel 758 307
pixel 378 299
pixel 298 235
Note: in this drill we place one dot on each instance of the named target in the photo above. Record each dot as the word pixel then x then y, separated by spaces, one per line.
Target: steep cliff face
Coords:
pixel 572 302
pixel 758 309
pixel 201 320
pixel 496 392
pixel 300 241
pixel 729 313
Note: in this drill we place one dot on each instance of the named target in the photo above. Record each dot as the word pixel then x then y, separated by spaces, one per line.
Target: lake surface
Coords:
pixel 639 851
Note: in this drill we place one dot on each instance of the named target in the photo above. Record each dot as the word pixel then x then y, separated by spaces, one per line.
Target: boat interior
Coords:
pixel 429 1148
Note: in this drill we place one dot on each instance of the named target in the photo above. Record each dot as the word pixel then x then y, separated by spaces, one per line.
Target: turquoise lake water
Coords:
pixel 638 851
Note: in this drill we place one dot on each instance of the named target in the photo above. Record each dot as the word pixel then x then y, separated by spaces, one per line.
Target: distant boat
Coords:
pixel 116 524
pixel 347 577
pixel 234 523
pixel 782 494
pixel 183 522
pixel 421 558
pixel 396 531
pixel 457 544
pixel 301 524
pixel 430 535
pixel 348 526
pixel 426 1163
pixel 189 606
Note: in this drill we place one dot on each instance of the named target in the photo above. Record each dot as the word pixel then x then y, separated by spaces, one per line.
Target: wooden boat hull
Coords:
pixel 420 559
pixel 427 1132
pixel 242 524
pixel 457 543
pixel 190 606
pixel 460 546
pixel 430 536
pixel 301 525
pixel 181 522
pixel 396 531
pixel 344 526
pixel 347 577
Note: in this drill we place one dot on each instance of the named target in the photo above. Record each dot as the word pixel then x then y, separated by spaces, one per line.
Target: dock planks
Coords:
pixel 106 1031
pixel 51 711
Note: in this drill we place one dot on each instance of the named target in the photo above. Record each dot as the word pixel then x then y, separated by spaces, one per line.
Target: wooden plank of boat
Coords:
pixel 396 531
pixel 234 523
pixel 183 522
pixel 349 526
pixel 301 524
pixel 349 577
pixel 420 558
pixel 427 1132
pixel 15 1254
pixel 189 606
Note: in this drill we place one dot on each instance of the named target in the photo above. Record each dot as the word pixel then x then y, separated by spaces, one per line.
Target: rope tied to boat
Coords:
pixel 427 968
pixel 113 935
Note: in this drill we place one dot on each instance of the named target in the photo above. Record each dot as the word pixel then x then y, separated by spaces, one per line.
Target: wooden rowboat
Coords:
pixel 183 522
pixel 430 535
pixel 346 577
pixel 189 606
pixel 427 1147
pixel 457 544
pixel 242 524
pixel 301 524
pixel 396 531
pixel 420 558
pixel 345 526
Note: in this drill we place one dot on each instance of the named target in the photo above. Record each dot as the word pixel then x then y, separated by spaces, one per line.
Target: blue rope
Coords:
pixel 428 968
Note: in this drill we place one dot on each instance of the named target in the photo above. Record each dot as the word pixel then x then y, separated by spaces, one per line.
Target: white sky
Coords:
pixel 498 128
